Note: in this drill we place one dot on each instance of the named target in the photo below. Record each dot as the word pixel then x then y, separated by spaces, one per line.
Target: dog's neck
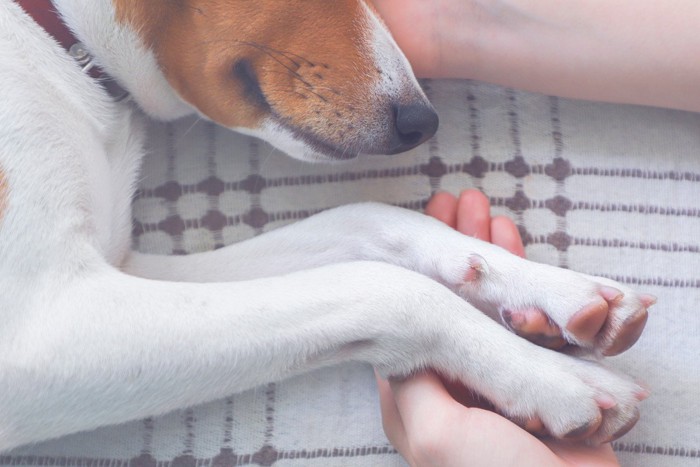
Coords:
pixel 43 12
pixel 46 16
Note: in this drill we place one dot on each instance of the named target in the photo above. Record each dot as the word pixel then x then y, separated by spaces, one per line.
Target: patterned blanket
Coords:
pixel 603 189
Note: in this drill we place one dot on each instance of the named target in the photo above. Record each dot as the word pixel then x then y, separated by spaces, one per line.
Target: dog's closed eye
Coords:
pixel 243 72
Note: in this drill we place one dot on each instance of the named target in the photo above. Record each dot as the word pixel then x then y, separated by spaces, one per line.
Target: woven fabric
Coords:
pixel 603 189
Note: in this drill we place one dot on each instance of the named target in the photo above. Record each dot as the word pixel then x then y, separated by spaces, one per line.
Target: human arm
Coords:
pixel 643 52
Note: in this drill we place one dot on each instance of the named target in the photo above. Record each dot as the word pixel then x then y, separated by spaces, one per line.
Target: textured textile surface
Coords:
pixel 603 189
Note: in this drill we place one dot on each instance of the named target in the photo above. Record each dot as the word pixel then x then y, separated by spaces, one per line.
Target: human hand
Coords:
pixel 431 423
pixel 429 427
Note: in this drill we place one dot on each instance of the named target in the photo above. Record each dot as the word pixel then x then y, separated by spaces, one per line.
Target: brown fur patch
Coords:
pixel 4 194
pixel 305 62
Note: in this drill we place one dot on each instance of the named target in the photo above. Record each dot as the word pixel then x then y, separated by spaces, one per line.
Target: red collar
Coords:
pixel 45 15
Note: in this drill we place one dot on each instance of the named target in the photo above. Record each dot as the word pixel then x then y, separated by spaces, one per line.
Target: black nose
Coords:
pixel 415 124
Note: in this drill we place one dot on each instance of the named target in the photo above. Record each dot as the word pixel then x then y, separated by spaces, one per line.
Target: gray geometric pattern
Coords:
pixel 604 189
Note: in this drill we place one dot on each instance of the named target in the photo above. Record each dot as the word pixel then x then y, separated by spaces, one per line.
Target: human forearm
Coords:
pixel 642 52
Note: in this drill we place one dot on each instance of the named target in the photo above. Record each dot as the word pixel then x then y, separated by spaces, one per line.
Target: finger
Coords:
pixel 443 207
pixel 421 396
pixel 473 215
pixel 505 234
pixel 391 419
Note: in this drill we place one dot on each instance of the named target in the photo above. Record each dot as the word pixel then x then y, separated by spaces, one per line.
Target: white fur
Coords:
pixel 119 51
pixel 92 334
pixel 398 76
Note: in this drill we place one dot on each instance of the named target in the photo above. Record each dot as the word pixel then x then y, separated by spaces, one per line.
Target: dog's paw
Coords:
pixel 569 398
pixel 611 322
pixel 555 308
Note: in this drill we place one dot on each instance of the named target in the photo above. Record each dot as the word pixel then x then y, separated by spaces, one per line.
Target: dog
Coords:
pixel 95 334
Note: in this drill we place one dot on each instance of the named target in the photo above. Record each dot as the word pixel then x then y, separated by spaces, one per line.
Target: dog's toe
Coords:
pixel 628 333
pixel 534 325
pixel 603 437
pixel 585 431
pixel 588 321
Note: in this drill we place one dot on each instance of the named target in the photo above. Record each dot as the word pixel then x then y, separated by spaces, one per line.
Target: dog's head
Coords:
pixel 318 79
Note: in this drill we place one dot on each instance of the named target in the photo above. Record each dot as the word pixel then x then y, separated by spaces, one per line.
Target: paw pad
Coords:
pixel 589 320
pixel 629 333
pixel 627 427
pixel 596 325
pixel 585 431
pixel 533 325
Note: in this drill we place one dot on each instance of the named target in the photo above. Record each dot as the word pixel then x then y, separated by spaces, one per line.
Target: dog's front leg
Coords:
pixel 594 313
pixel 107 348
pixel 358 232
pixel 367 231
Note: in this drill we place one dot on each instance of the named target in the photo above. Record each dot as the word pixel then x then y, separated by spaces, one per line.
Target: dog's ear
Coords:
pixel 317 79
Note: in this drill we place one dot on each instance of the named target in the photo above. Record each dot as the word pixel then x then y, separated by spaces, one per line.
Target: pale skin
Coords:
pixel 642 52
pixel 431 424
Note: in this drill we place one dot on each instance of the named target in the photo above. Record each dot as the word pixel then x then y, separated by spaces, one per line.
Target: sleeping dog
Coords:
pixel 95 334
